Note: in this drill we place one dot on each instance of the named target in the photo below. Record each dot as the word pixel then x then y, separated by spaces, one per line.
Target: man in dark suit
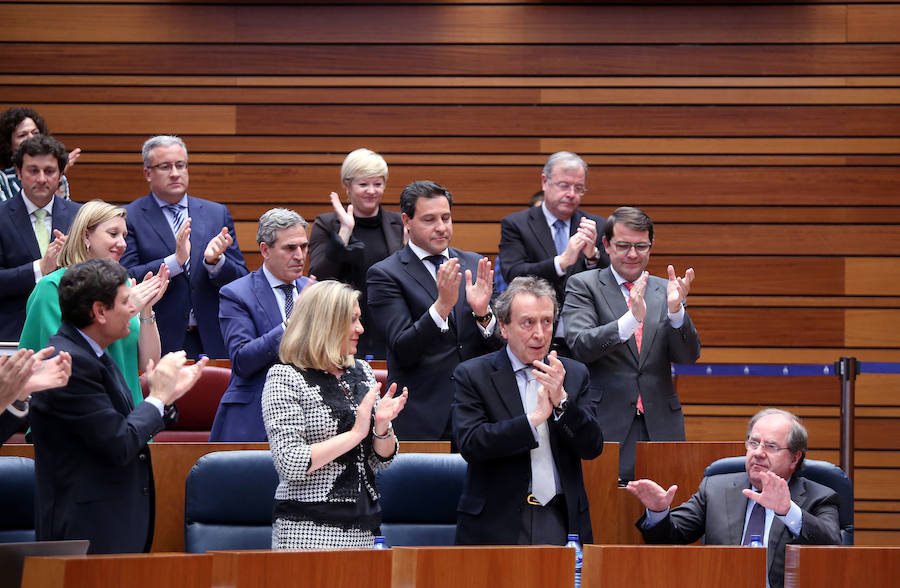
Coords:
pixel 23 373
pixel 768 499
pixel 194 238
pixel 430 317
pixel 29 221
pixel 253 314
pixel 524 420
pixel 554 240
pixel 93 476
pixel 629 328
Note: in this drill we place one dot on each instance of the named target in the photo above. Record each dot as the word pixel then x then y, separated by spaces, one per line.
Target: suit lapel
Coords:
pixel 655 298
pixel 265 296
pixel 612 293
pixel 505 385
pixel 417 271
pixel 736 507
pixel 22 222
pixel 115 387
pixel 199 227
pixel 393 231
pixel 158 221
pixel 538 223
pixel 62 215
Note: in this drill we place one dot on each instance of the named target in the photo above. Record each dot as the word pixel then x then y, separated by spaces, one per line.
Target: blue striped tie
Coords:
pixel 178 220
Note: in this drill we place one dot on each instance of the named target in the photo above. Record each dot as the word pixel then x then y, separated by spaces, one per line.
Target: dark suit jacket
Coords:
pixel 18 250
pixel 718 510
pixel 493 435
pixel 420 356
pixel 93 476
pixel 9 424
pixel 527 248
pixel 594 303
pixel 329 258
pixel 251 326
pixel 150 240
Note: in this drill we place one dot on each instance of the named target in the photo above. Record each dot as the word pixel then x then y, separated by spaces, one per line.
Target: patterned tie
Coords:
pixel 288 290
pixel 757 523
pixel 436 260
pixel 178 215
pixel 560 236
pixel 40 230
pixel 543 485
pixel 638 339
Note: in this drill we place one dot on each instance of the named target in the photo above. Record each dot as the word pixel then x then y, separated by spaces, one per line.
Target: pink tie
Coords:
pixel 638 338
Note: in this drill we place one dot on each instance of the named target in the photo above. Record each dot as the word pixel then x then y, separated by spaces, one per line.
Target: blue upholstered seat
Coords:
pixel 17 498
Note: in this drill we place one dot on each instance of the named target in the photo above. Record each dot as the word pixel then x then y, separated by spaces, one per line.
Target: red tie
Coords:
pixel 638 338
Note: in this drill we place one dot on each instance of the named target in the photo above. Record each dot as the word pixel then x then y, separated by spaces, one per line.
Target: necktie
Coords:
pixel 288 290
pixel 757 523
pixel 40 230
pixel 638 339
pixel 543 486
pixel 178 215
pixel 560 236
pixel 436 261
pixel 113 370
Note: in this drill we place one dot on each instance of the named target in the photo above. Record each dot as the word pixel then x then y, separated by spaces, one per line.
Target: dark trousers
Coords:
pixel 544 525
pixel 637 432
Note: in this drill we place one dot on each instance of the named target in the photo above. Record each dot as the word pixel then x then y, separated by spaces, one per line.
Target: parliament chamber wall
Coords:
pixel 763 138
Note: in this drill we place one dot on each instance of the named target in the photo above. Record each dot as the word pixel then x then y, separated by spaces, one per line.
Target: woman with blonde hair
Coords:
pixel 327 428
pixel 98 232
pixel 344 244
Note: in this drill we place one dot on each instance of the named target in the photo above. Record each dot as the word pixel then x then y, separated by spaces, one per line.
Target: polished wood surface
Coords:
pixel 601 476
pixel 364 568
pixel 673 566
pixel 483 567
pixel 133 570
pixel 814 566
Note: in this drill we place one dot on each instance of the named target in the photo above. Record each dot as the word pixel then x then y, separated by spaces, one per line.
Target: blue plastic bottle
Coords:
pixel 755 541
pixel 575 544
pixel 379 543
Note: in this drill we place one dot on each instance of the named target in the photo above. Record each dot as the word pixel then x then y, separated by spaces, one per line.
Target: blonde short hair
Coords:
pixel 319 325
pixel 86 220
pixel 363 163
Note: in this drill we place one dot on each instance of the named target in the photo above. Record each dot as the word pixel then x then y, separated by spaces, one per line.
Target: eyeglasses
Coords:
pixel 168 165
pixel 624 247
pixel 753 445
pixel 566 186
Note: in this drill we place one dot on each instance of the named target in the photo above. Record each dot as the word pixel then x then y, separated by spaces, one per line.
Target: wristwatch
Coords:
pixel 484 318
pixel 563 405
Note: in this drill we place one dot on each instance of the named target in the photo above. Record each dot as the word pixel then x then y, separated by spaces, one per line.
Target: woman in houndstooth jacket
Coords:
pixel 327 432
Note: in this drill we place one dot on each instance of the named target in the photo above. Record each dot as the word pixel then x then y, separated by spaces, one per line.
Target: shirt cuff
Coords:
pixel 793 520
pixel 653 517
pixel 489 329
pixel 213 268
pixel 677 319
pixel 559 270
pixel 157 403
pixel 628 325
pixel 36 266
pixel 172 264
pixel 443 325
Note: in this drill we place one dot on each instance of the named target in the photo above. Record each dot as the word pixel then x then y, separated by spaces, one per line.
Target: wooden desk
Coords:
pixel 673 566
pixel 143 570
pixel 600 483
pixel 667 463
pixel 813 566
pixel 483 567
pixel 363 568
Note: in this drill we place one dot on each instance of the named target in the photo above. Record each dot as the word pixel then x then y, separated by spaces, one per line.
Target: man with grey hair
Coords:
pixel 556 239
pixel 523 420
pixel 768 499
pixel 194 238
pixel 253 313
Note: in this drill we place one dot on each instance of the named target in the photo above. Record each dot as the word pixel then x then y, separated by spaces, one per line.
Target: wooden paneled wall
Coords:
pixel 763 139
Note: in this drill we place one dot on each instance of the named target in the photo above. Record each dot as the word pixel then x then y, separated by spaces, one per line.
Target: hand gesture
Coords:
pixel 388 407
pixel 542 409
pixel 217 246
pixel 143 295
pixel 677 289
pixel 169 380
pixel 344 216
pixel 363 421
pixel 576 244
pixel 636 297
pixel 651 494
pixel 774 493
pixel 478 294
pixel 48 373
pixel 49 262
pixel 448 279
pixel 14 369
pixel 550 376
pixel 183 243
pixel 74 154
pixel 588 230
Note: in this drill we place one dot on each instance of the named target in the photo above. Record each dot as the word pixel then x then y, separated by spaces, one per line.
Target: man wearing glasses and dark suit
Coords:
pixel 555 240
pixel 629 328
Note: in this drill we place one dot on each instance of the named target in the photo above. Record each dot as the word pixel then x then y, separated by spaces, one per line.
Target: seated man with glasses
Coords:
pixel 629 328
pixel 767 500
pixel 556 239
pixel 194 238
